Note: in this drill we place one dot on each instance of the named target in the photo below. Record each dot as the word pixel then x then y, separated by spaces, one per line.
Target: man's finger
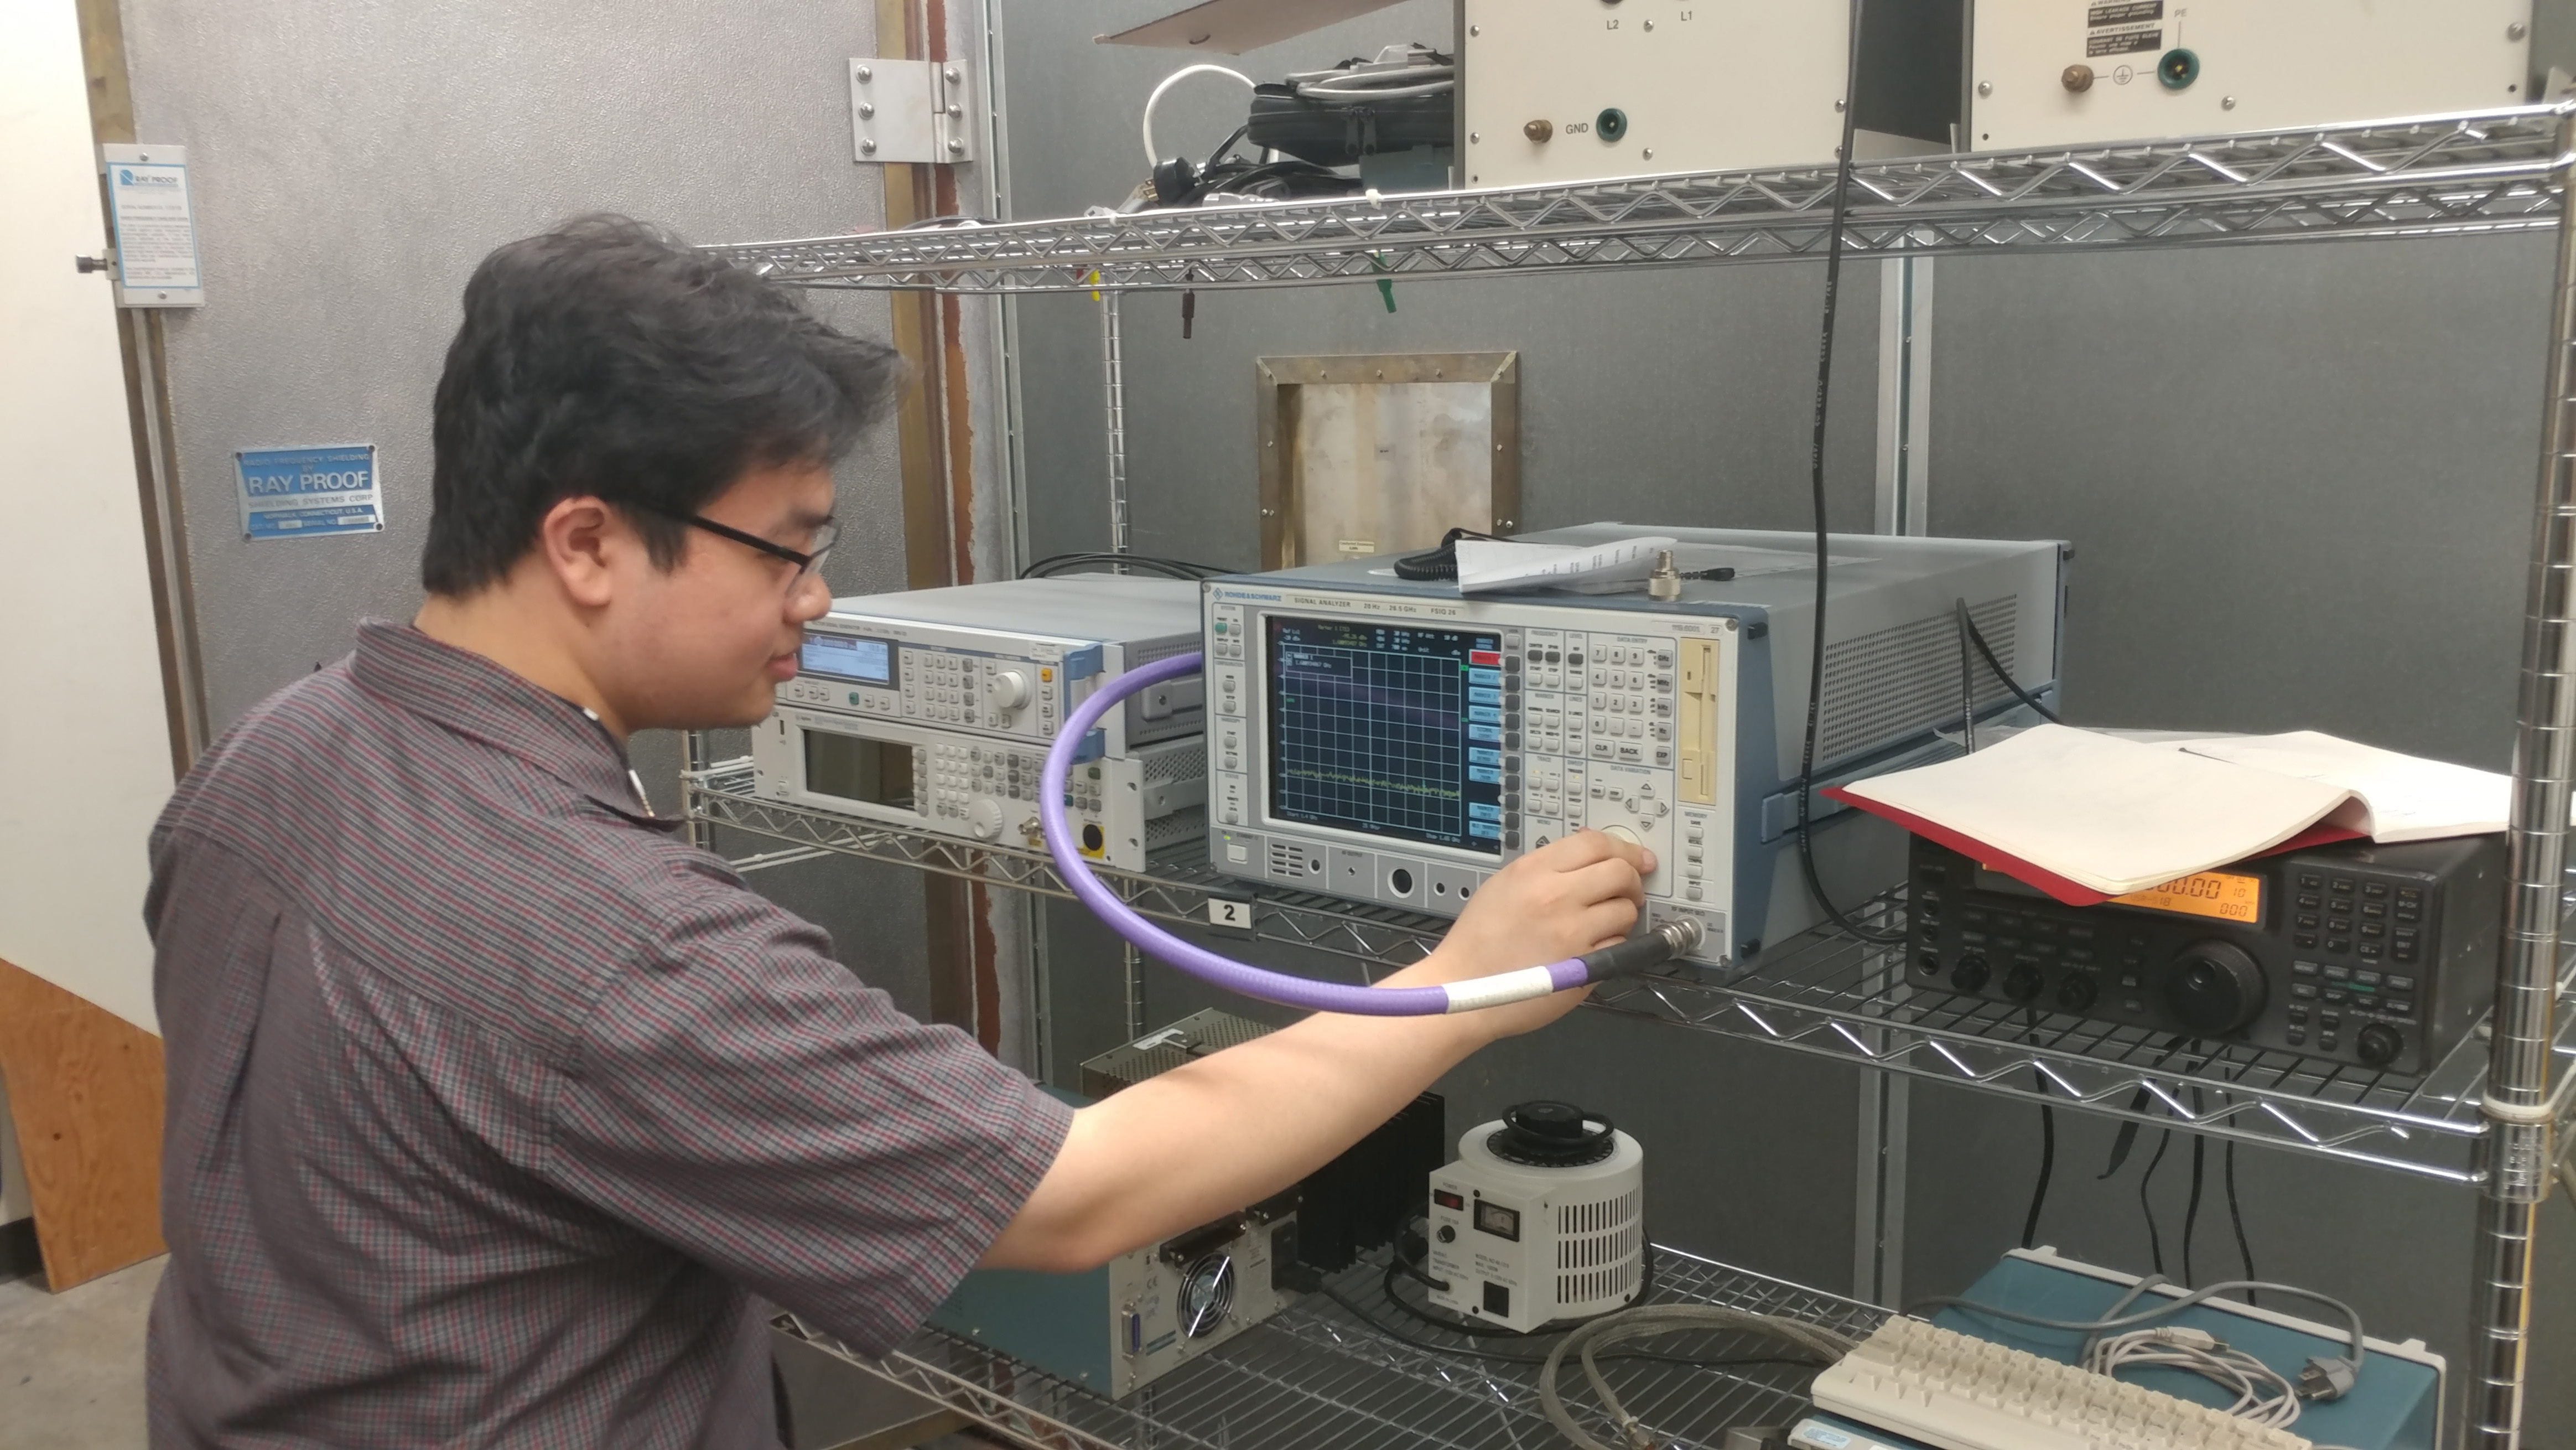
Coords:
pixel 1612 921
pixel 1608 880
pixel 1576 851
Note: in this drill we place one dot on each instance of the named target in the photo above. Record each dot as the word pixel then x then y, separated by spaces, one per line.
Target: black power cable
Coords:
pixel 1968 626
pixel 2047 1140
pixel 2146 1205
pixel 2236 1216
pixel 2047 1166
pixel 1055 564
pixel 1816 486
pixel 2191 1206
pixel 1967 688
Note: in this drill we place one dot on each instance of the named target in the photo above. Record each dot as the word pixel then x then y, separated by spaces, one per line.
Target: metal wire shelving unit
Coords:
pixel 1820 994
pixel 1337 1368
pixel 2494 1115
pixel 2433 176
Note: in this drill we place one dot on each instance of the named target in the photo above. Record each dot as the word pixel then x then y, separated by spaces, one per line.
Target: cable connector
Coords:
pixel 2326 1379
pixel 2187 1337
pixel 1675 937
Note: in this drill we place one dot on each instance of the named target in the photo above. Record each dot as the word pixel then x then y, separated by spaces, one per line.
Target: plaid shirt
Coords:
pixel 493 1104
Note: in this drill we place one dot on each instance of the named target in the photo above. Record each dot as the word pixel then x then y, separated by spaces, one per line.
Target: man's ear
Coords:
pixel 581 540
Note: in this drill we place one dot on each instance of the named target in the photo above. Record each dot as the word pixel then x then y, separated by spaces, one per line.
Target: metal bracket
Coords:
pixel 913 111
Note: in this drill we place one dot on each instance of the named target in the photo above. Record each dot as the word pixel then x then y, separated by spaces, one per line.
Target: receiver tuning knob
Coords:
pixel 2379 1044
pixel 2214 987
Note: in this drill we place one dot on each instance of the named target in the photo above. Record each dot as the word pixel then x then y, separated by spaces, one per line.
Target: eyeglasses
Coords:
pixel 807 562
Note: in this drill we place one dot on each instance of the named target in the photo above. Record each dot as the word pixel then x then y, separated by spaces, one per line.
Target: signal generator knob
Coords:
pixel 1010 690
pixel 2214 987
pixel 984 818
pixel 1621 833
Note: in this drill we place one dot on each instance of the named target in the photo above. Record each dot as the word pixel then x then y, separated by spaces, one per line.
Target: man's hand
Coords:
pixel 1581 893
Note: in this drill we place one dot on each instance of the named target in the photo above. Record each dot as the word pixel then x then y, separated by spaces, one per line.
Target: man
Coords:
pixel 493 1105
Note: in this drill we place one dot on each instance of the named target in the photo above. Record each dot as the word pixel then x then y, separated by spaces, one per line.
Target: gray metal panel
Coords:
pixel 341 215
pixel 2299 486
pixel 2298 483
pixel 339 236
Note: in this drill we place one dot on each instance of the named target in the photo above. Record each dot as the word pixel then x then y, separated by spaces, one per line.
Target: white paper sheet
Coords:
pixel 1491 566
pixel 2410 798
pixel 2110 814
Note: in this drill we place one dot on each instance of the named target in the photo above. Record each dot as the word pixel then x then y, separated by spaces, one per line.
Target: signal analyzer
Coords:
pixel 1390 741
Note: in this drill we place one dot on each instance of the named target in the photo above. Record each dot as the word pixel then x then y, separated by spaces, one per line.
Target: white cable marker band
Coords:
pixel 1496 990
pixel 2536 1115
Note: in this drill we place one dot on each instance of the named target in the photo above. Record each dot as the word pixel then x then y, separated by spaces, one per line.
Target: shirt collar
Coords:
pixel 476 697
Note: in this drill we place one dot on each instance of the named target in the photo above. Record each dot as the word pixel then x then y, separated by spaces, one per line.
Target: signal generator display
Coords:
pixel 933 709
pixel 1390 741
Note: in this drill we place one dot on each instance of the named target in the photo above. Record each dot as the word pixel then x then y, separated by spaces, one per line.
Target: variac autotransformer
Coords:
pixel 1542 1218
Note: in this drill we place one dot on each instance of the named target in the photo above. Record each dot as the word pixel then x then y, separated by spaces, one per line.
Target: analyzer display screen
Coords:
pixel 848 657
pixel 1388 730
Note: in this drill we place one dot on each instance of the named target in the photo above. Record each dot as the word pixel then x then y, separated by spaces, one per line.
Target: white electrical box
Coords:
pixel 2069 72
pixel 1557 91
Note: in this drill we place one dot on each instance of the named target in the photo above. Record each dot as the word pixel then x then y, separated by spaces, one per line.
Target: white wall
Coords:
pixel 84 747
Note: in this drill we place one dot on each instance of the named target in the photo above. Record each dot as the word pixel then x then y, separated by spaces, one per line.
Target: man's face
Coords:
pixel 708 641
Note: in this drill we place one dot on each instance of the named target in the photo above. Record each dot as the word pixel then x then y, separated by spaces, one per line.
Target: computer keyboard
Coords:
pixel 1959 1392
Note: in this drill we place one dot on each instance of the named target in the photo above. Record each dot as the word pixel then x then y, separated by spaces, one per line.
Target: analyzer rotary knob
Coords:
pixel 2213 987
pixel 1009 690
pixel 984 818
pixel 1621 833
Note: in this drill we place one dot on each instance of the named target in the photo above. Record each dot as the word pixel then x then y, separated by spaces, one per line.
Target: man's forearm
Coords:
pixel 1230 1129
pixel 1210 1137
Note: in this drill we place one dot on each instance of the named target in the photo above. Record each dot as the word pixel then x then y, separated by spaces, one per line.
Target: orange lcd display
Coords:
pixel 2221 894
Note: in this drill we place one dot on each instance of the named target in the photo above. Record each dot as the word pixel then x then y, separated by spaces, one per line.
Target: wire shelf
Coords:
pixel 1835 997
pixel 1178 888
pixel 2441 175
pixel 1818 994
pixel 1318 1373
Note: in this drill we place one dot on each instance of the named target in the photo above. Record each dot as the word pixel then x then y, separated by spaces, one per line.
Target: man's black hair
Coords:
pixel 606 357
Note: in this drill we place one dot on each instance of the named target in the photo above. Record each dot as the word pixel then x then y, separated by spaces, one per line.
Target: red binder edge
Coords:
pixel 2073 893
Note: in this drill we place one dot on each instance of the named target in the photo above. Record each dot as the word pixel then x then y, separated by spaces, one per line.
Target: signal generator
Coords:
pixel 933 709
pixel 1390 741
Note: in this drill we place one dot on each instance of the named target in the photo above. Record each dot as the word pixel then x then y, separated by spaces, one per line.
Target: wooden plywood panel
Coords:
pixel 1389 470
pixel 1384 454
pixel 85 1089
